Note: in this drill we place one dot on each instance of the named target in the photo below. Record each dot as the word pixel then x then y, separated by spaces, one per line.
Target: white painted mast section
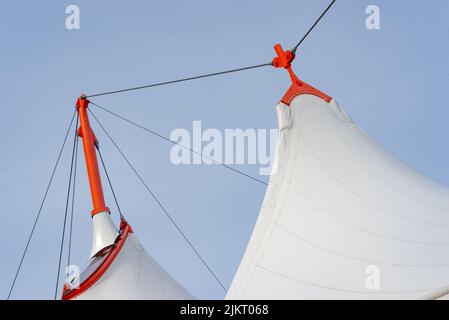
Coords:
pixel 342 218
pixel 104 232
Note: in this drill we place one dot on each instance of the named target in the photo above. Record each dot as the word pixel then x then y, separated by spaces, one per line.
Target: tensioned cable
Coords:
pixel 40 208
pixel 73 203
pixel 61 249
pixel 157 84
pixel 312 27
pixel 143 87
pixel 178 144
pixel 159 203
pixel 110 184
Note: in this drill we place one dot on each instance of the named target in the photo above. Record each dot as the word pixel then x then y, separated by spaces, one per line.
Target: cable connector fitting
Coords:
pixel 284 60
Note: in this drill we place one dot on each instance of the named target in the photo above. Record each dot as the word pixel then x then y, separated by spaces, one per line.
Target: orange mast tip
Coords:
pixel 82 99
pixel 89 144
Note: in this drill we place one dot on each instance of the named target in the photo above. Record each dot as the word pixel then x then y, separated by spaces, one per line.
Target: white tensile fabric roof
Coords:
pixel 134 274
pixel 338 207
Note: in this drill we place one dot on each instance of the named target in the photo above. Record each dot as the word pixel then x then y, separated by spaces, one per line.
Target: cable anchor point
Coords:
pixel 284 60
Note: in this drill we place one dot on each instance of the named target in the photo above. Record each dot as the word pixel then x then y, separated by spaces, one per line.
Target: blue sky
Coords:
pixel 392 82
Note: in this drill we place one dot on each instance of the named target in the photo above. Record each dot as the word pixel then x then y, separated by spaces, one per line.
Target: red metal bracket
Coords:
pixel 284 60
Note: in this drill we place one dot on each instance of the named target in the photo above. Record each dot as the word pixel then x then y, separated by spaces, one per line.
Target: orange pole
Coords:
pixel 93 172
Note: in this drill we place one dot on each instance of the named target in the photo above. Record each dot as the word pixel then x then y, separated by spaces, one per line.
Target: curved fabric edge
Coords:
pixel 407 246
pixel 69 294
